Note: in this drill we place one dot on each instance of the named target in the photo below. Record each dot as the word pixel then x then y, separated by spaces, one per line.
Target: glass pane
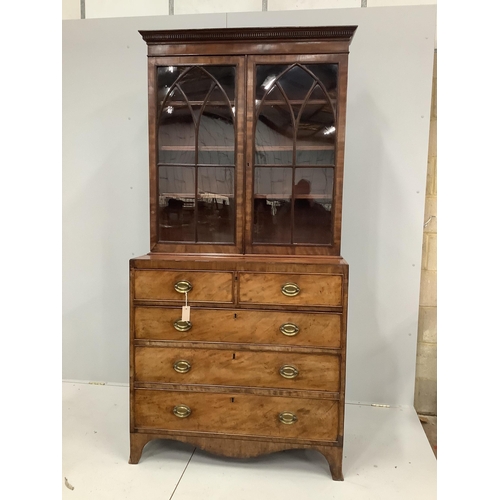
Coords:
pixel 216 131
pixel 293 79
pixel 327 74
pixel 185 93
pixel 316 130
pixel 313 193
pixel 176 134
pixel 216 207
pixel 265 77
pixel 196 84
pixel 166 77
pixel 225 77
pixel 196 81
pixel 272 205
pixel 274 131
pixel 176 186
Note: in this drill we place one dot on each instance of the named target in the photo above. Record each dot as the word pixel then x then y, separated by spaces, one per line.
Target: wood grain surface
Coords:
pixel 236 325
pixel 315 290
pixel 237 414
pixel 319 372
pixel 207 286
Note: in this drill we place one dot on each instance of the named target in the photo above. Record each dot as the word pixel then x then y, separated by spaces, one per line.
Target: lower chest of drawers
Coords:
pixel 254 370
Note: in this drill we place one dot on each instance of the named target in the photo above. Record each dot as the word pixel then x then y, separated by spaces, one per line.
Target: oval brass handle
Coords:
pixel 287 417
pixel 182 411
pixel 182 326
pixel 183 286
pixel 182 366
pixel 289 329
pixel 290 289
pixel 288 371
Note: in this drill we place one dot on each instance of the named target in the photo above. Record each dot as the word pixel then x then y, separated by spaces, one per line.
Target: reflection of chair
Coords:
pixel 303 187
pixel 312 221
pixel 173 210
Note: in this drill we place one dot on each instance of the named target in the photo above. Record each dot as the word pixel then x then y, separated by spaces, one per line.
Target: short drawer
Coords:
pixel 237 414
pixel 240 326
pixel 291 289
pixel 203 286
pixel 282 370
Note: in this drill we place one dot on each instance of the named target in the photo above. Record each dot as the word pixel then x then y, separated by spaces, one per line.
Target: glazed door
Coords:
pixel 295 146
pixel 196 113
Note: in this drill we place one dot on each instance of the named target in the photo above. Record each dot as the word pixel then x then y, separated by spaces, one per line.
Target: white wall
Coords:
pixel 105 181
pixel 125 8
pixel 71 9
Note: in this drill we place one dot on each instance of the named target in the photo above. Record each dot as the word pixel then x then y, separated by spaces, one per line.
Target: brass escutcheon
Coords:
pixel 182 326
pixel 182 366
pixel 289 329
pixel 182 411
pixel 183 286
pixel 287 417
pixel 288 371
pixel 290 289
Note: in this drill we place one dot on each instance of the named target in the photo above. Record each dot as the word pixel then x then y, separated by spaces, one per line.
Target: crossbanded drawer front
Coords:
pixel 239 414
pixel 291 289
pixel 240 326
pixel 170 286
pixel 283 370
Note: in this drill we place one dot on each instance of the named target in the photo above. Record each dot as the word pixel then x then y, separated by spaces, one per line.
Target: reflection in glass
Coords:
pixel 272 199
pixel 216 135
pixel 313 192
pixel 295 81
pixel 195 81
pixel 216 208
pixel 296 110
pixel 176 135
pixel 176 203
pixel 196 120
pixel 296 126
pixel 315 138
pixel 274 131
pixel 196 127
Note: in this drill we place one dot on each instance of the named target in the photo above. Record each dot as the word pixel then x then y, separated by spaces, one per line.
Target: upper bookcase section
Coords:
pixel 246 139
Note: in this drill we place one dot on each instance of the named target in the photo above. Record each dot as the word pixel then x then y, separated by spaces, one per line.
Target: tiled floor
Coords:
pixel 387 456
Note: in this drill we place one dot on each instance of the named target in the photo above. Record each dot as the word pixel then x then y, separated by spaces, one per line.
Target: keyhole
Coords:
pixel 235 315
pixel 234 355
pixel 232 400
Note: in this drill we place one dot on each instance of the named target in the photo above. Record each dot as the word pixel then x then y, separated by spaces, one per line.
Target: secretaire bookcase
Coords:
pixel 238 315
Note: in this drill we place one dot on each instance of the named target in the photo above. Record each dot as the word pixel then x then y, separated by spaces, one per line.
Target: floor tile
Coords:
pixel 387 456
pixel 96 449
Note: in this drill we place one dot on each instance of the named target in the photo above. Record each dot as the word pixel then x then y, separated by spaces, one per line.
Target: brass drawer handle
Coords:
pixel 287 417
pixel 288 371
pixel 182 326
pixel 183 286
pixel 290 289
pixel 289 329
pixel 182 411
pixel 182 366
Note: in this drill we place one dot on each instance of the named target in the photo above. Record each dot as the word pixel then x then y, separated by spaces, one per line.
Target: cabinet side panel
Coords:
pixel 339 164
pixel 343 356
pixel 131 346
pixel 153 153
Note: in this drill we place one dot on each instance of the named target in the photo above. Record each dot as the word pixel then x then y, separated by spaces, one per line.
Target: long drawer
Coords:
pixel 291 289
pixel 286 370
pixel 238 414
pixel 239 326
pixel 202 286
